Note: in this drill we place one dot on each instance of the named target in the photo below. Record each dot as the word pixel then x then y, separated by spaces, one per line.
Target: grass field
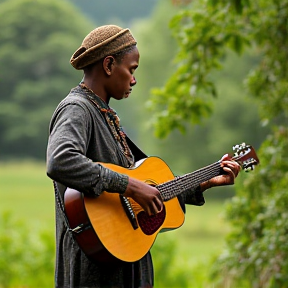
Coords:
pixel 27 192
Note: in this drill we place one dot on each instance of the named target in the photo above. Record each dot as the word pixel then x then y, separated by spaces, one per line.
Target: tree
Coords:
pixel 35 71
pixel 206 31
pixel 125 11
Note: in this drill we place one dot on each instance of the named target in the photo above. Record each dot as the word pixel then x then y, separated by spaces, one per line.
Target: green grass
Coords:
pixel 27 192
pixel 202 234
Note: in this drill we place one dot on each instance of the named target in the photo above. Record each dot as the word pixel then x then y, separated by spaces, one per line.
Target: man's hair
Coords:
pixel 120 55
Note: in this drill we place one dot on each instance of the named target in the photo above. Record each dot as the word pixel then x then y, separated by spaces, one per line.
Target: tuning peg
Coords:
pixel 249 164
pixel 240 147
pixel 249 168
pixel 235 147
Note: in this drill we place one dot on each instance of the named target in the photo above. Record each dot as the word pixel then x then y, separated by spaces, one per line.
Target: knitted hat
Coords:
pixel 101 42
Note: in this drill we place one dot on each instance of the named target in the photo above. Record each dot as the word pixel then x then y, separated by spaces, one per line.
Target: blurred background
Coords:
pixel 37 39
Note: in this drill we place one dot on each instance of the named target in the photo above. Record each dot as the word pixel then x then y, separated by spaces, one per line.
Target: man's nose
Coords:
pixel 133 81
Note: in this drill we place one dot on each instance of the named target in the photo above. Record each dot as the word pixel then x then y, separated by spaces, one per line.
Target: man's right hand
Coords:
pixel 148 197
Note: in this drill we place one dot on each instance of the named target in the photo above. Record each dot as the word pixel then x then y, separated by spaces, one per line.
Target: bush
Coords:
pixel 26 258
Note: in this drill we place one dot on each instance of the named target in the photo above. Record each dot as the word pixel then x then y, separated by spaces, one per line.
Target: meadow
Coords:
pixel 27 193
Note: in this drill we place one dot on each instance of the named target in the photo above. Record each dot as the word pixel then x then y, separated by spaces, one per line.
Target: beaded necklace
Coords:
pixel 112 120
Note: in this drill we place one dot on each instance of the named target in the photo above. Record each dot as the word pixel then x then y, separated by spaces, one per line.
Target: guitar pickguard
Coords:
pixel 149 224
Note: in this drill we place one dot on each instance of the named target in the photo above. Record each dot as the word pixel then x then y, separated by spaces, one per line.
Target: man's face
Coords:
pixel 122 79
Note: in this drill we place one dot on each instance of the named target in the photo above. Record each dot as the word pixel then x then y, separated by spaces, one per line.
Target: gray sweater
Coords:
pixel 80 137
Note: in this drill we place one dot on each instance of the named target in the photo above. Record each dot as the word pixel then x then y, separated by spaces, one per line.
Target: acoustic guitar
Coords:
pixel 113 226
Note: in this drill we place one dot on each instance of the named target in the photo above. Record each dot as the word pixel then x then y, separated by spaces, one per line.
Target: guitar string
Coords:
pixel 191 180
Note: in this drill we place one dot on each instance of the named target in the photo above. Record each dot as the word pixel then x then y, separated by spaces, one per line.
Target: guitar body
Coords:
pixel 108 231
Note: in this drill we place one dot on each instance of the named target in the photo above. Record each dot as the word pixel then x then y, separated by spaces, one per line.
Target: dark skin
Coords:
pixel 113 78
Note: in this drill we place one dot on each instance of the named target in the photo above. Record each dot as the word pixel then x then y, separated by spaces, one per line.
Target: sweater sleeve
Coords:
pixel 192 197
pixel 67 163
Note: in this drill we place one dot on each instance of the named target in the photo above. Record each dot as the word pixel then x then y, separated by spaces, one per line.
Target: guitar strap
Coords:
pixel 61 206
pixel 136 151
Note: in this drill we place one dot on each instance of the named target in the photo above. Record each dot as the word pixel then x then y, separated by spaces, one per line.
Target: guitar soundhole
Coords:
pixel 150 224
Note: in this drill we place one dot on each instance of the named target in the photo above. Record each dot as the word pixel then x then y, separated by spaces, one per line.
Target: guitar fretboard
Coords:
pixel 179 184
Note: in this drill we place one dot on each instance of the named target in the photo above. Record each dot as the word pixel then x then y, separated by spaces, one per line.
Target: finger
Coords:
pixel 234 166
pixel 159 201
pixel 156 206
pixel 225 157
pixel 230 175
pixel 153 210
pixel 160 197
pixel 160 206
pixel 236 169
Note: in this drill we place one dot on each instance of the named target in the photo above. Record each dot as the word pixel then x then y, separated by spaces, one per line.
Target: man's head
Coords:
pixel 101 42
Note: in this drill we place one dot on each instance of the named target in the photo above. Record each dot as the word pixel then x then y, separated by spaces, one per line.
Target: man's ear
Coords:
pixel 108 64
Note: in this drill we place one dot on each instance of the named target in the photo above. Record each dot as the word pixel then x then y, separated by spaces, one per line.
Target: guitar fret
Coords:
pixel 180 184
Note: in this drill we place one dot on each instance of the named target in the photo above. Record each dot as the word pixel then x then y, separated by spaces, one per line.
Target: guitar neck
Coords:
pixel 179 184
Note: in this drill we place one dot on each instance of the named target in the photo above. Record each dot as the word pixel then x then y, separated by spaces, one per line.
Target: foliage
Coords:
pixel 235 120
pixel 202 32
pixel 268 83
pixel 175 271
pixel 257 246
pixel 260 252
pixel 35 71
pixel 25 259
pixel 164 264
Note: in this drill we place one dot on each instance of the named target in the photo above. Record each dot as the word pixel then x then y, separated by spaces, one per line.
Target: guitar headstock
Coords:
pixel 246 156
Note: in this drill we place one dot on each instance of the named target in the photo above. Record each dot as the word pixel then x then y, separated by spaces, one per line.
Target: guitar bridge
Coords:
pixel 129 211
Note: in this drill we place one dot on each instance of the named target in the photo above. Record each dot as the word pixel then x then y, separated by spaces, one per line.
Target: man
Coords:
pixel 85 130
